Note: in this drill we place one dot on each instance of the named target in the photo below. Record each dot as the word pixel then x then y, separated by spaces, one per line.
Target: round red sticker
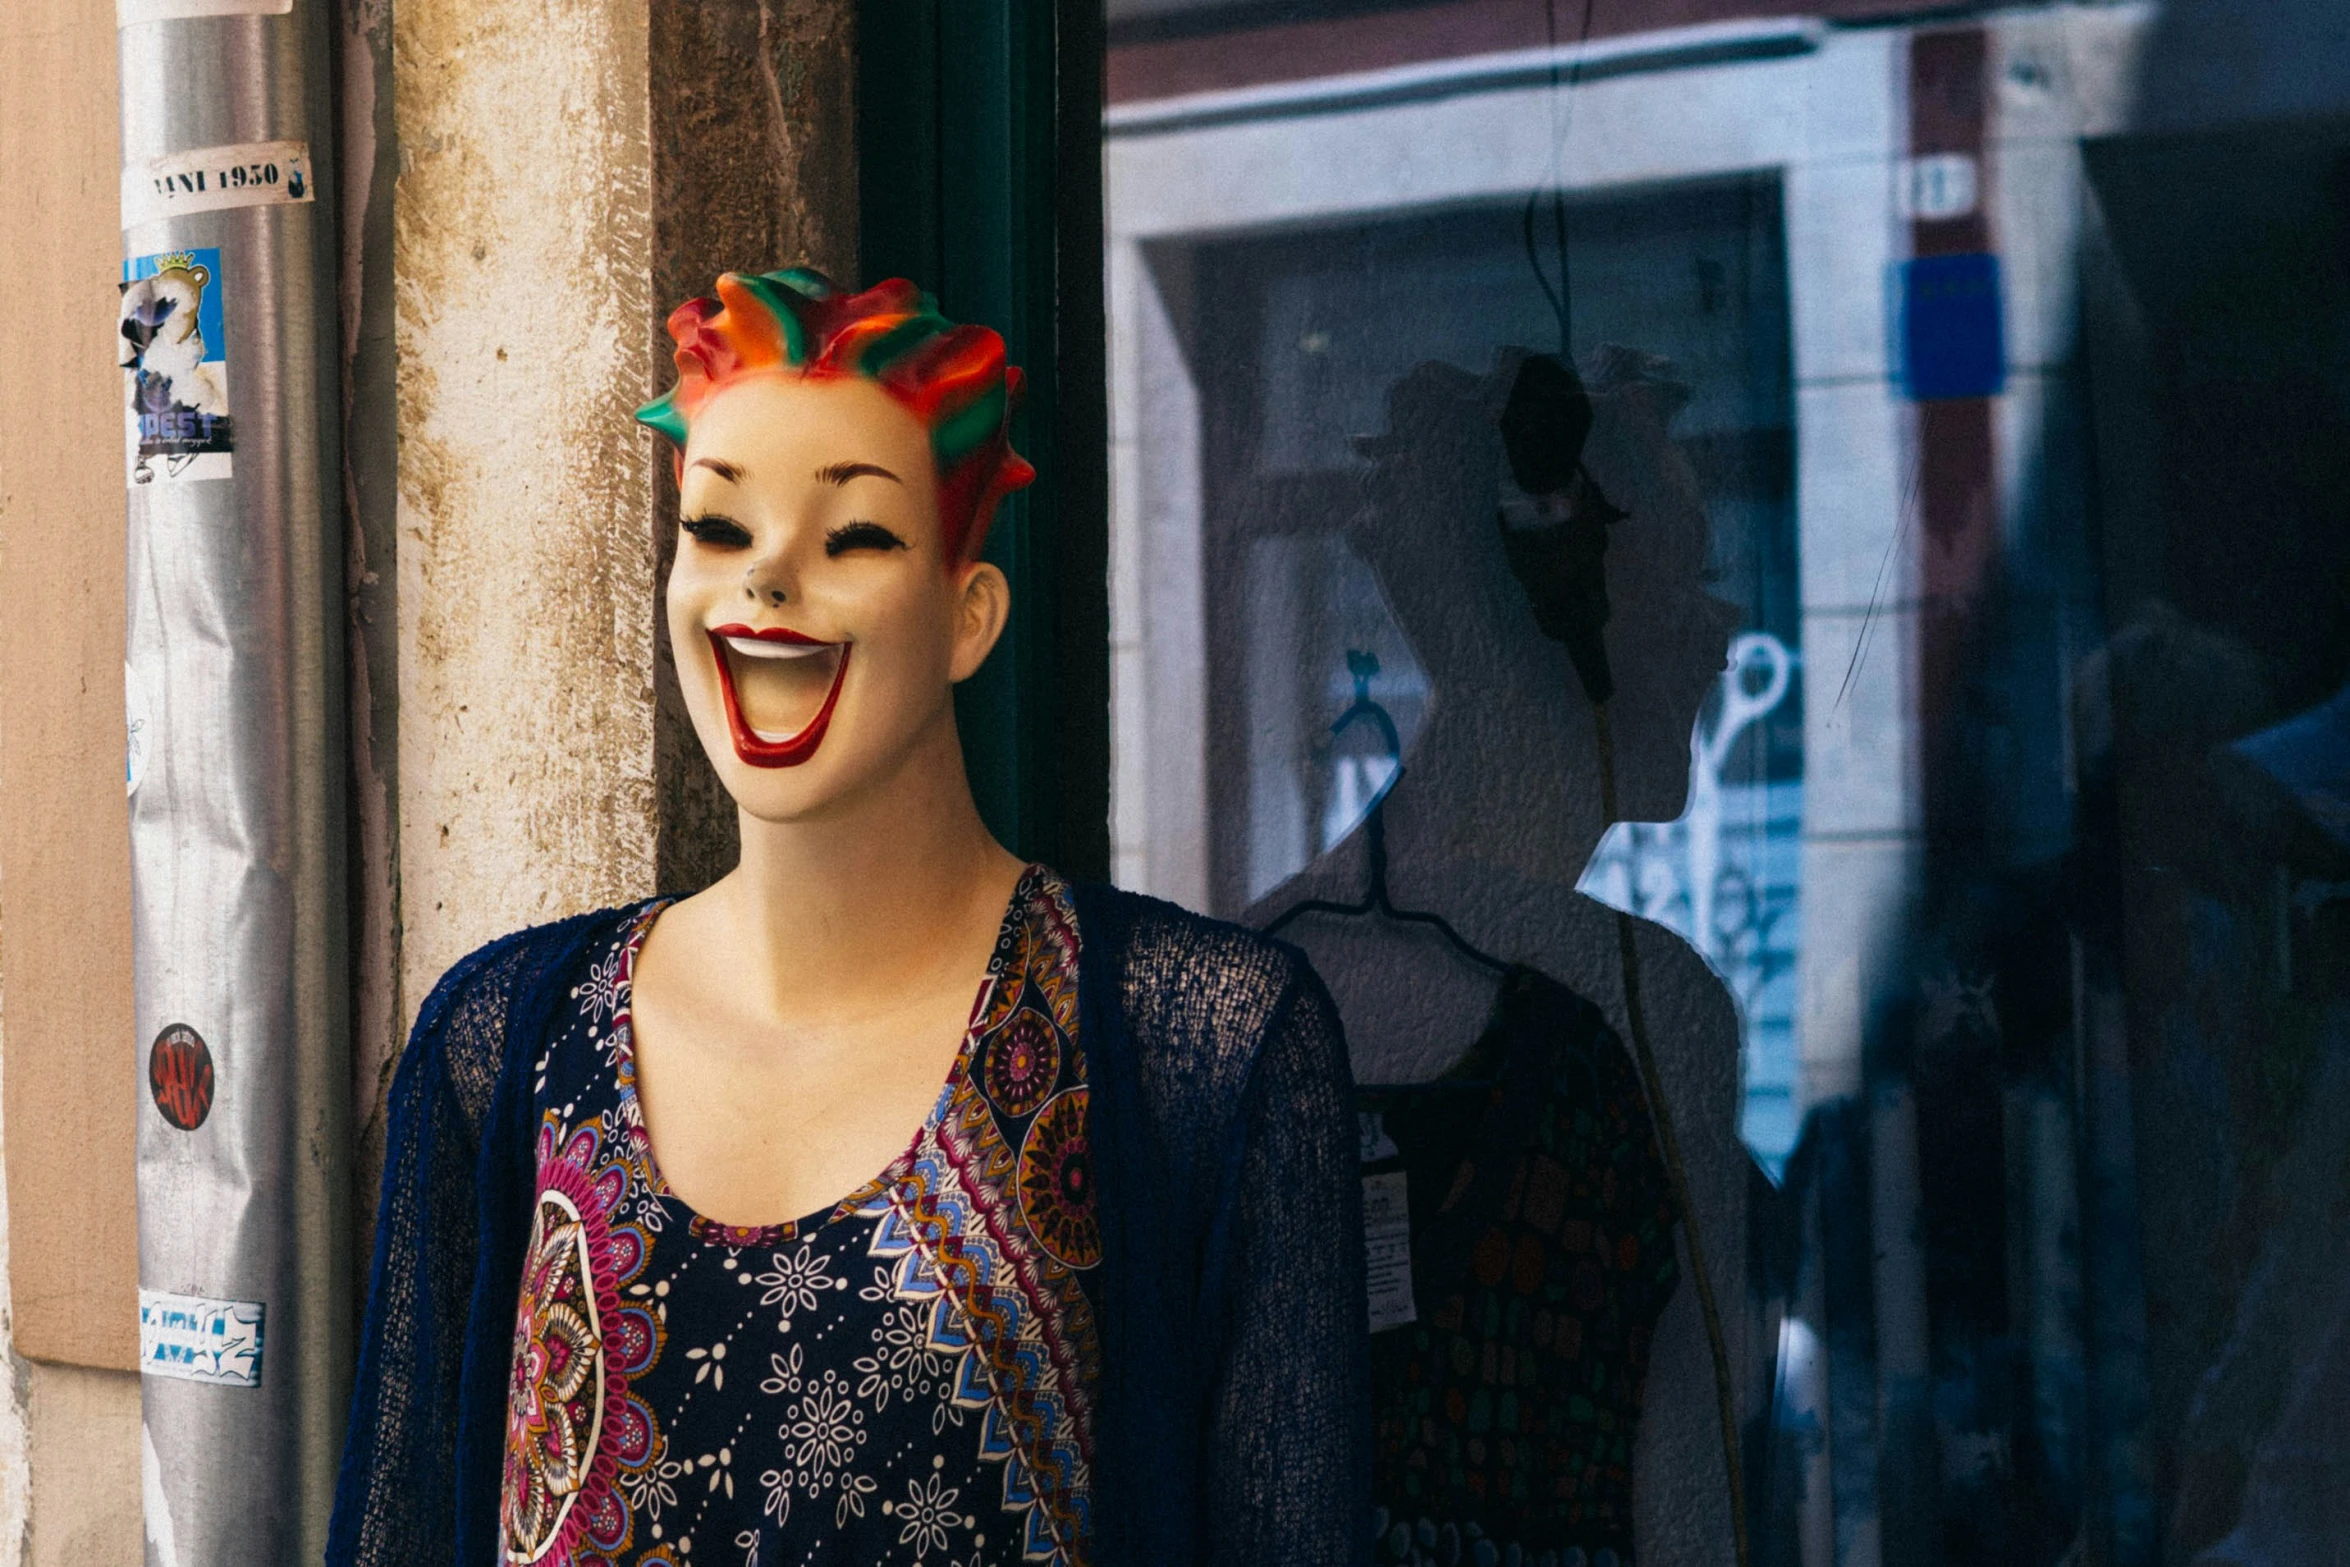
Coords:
pixel 179 1075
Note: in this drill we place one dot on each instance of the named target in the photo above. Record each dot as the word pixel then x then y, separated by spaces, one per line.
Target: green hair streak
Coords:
pixel 663 414
pixel 962 433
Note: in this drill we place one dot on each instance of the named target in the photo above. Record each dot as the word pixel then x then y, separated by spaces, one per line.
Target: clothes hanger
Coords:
pixel 1375 900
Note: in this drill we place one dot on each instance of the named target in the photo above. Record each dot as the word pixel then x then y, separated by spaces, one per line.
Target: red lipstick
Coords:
pixel 757 752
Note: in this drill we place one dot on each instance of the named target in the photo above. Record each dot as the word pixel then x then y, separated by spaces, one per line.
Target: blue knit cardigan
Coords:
pixel 1233 1410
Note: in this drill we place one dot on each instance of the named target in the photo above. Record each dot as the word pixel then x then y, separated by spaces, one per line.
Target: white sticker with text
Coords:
pixel 251 174
pixel 198 1339
pixel 128 12
pixel 1939 187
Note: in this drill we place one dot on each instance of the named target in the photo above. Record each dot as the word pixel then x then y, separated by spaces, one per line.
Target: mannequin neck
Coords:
pixel 1540 812
pixel 840 900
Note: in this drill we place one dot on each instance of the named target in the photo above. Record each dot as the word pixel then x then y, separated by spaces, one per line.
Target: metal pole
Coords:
pixel 235 773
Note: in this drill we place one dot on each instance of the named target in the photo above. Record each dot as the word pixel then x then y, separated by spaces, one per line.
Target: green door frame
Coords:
pixel 979 168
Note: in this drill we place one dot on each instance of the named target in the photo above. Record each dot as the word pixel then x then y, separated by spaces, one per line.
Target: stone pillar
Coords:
pixel 522 270
pixel 566 178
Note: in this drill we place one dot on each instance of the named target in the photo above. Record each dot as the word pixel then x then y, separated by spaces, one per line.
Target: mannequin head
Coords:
pixel 839 459
pixel 1507 689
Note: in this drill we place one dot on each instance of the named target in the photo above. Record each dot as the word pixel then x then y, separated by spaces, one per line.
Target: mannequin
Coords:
pixel 1498 811
pixel 685 1253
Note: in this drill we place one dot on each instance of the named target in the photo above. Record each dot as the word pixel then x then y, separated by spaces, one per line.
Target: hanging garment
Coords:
pixel 1520 1229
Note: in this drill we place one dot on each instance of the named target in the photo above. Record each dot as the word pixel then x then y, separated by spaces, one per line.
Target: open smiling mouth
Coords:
pixel 780 687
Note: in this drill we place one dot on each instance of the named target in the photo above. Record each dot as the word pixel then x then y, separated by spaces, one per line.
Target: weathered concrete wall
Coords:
pixel 754 131
pixel 511 236
pixel 521 255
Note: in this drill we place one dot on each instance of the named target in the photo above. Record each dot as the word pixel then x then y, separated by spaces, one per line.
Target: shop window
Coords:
pixel 1966 430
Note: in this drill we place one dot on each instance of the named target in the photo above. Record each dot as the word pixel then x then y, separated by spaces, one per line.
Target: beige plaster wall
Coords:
pixel 69 1419
pixel 65 861
pixel 85 1493
pixel 521 276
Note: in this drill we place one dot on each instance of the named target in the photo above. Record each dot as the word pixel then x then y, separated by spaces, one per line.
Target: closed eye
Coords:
pixel 719 532
pixel 861 536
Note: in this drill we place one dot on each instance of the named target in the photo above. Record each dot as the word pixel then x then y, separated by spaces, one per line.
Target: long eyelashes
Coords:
pixel 861 536
pixel 719 532
pixel 723 532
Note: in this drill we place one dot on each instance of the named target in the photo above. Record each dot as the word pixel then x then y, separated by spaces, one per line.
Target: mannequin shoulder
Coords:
pixel 1190 983
pixel 497 966
pixel 469 1012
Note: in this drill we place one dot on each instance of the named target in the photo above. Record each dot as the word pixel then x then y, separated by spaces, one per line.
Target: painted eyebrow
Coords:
pixel 843 472
pixel 725 470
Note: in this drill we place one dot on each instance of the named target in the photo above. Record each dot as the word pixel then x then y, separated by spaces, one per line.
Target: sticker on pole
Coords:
pixel 173 350
pixel 179 1076
pixel 249 174
pixel 128 12
pixel 138 730
pixel 197 1339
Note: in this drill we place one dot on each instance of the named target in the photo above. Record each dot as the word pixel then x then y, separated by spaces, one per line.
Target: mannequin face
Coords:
pixel 819 627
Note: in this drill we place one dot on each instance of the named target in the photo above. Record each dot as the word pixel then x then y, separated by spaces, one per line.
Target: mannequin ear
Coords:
pixel 983 603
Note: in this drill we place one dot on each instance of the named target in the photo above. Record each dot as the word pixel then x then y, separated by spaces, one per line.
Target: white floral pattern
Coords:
pixel 798 1281
pixel 929 1513
pixel 782 1412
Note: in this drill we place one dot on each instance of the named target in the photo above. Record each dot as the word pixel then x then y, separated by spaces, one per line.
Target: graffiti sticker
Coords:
pixel 174 356
pixel 179 1075
pixel 198 1339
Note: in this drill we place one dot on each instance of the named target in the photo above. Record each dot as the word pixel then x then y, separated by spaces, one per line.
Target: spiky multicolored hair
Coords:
pixel 951 378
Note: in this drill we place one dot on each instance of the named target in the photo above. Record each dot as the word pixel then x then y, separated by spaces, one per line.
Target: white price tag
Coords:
pixel 1387 1249
pixel 251 174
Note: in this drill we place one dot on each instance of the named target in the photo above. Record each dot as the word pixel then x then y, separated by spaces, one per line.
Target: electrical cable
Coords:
pixel 1561 302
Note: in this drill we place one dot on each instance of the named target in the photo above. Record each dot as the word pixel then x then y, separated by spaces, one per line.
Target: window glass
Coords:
pixel 1823 536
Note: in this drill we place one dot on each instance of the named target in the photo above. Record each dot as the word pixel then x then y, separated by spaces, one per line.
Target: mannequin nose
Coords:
pixel 762 585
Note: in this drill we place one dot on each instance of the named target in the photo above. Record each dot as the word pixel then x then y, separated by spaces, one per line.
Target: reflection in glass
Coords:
pixel 2015 347
pixel 1309 608
pixel 1694 274
pixel 1727 878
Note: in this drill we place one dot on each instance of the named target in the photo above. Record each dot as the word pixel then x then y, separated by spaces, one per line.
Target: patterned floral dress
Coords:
pixel 906 1377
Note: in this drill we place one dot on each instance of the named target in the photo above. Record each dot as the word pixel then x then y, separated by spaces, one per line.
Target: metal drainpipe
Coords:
pixel 236 777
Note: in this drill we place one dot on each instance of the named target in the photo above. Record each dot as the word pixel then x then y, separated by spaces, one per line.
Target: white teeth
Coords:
pixel 773 737
pixel 753 647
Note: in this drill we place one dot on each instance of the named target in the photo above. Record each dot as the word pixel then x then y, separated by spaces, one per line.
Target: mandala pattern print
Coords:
pixel 906 1377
